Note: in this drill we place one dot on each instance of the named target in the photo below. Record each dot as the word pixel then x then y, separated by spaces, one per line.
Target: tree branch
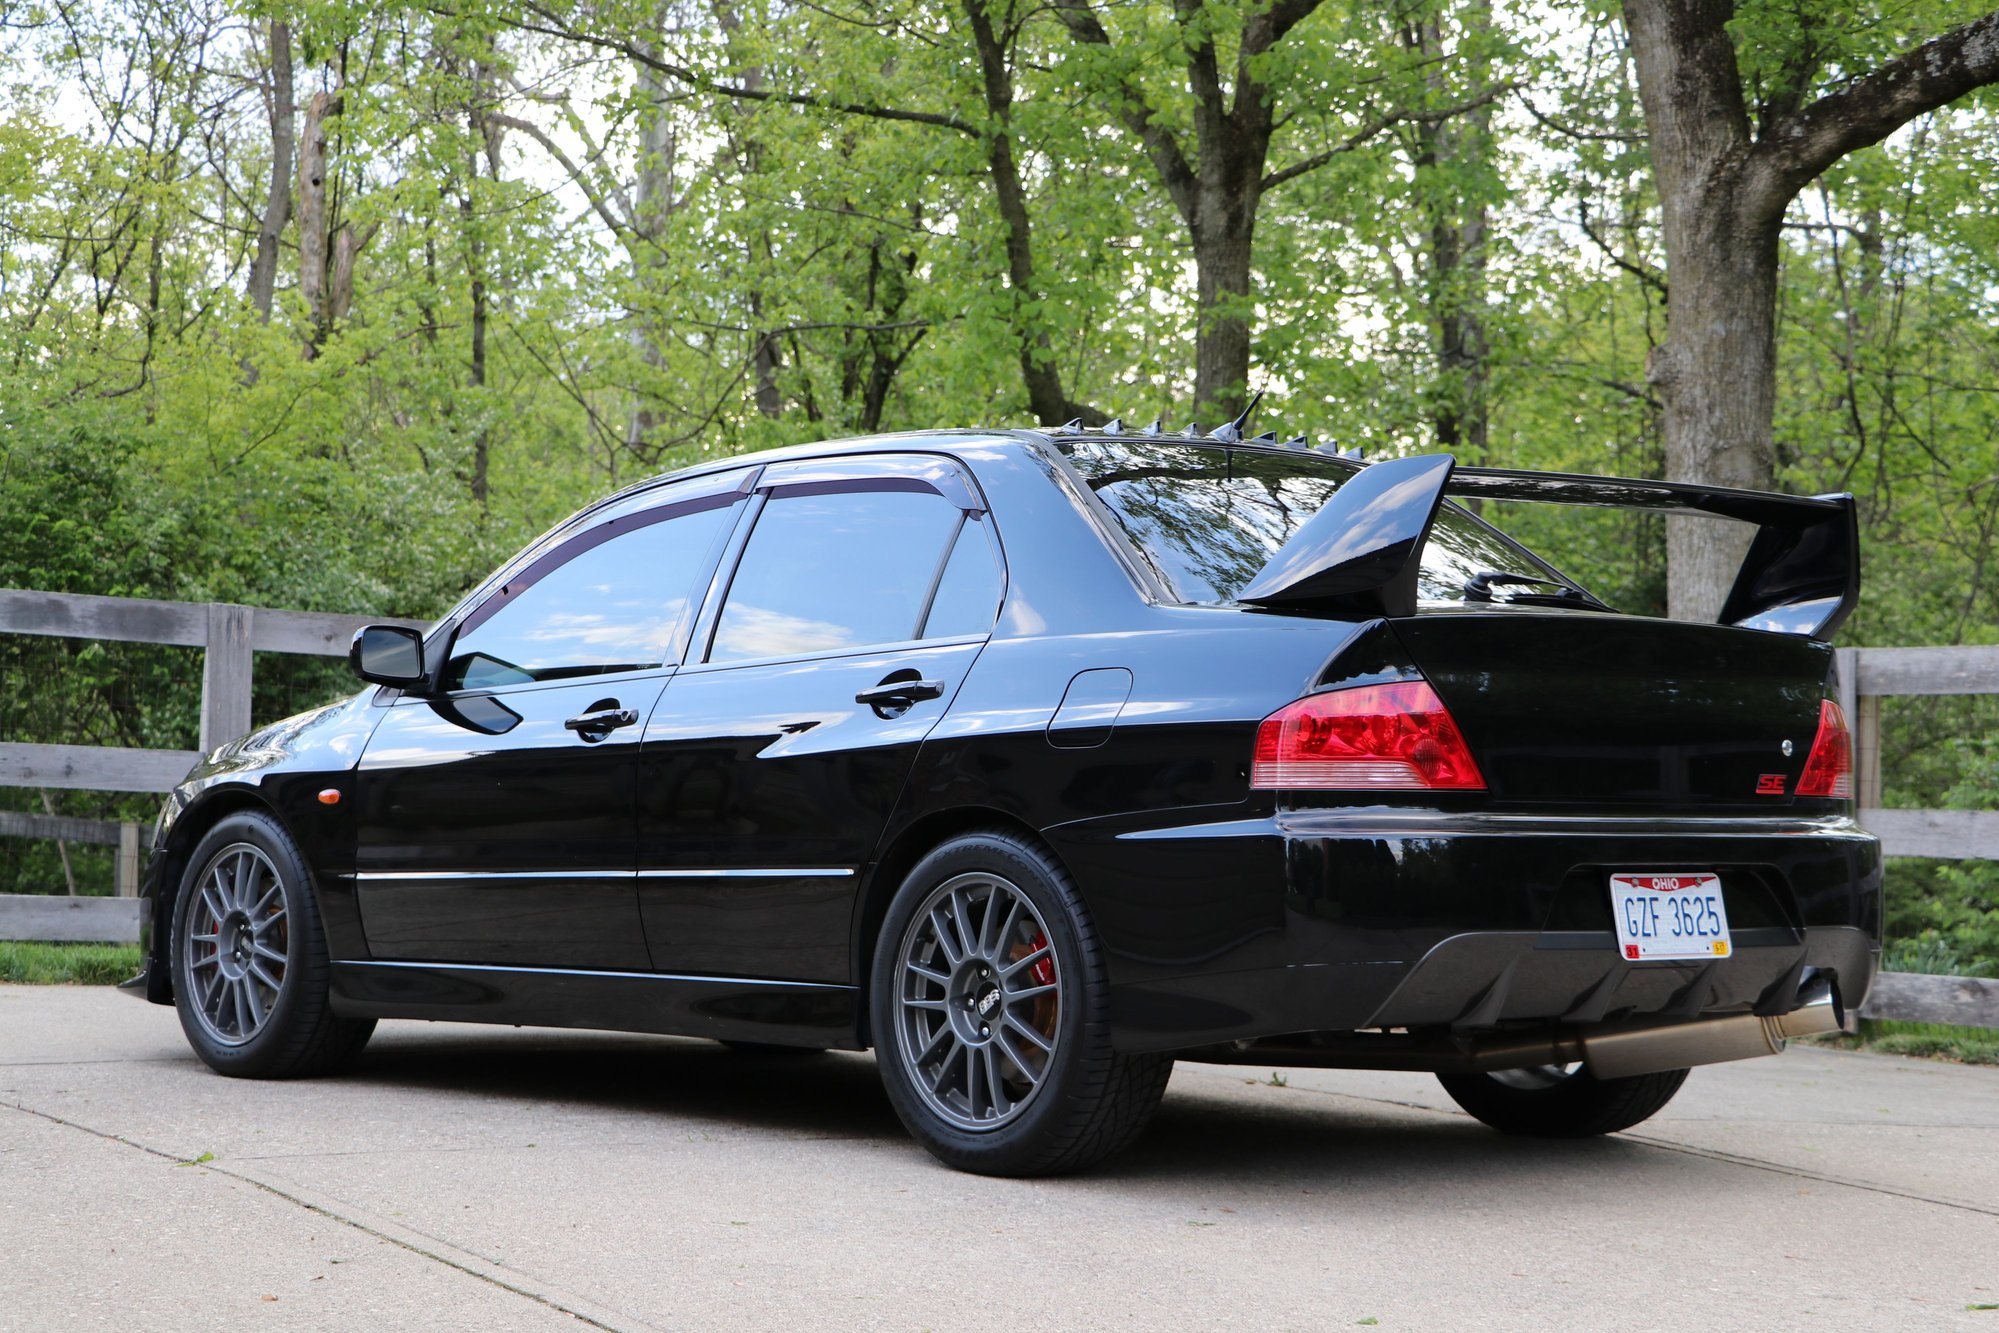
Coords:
pixel 1572 132
pixel 619 226
pixel 1375 128
pixel 1160 145
pixel 1278 21
pixel 693 79
pixel 1645 273
pixel 1798 147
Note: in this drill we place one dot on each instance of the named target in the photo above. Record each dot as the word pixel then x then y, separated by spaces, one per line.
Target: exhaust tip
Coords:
pixel 1817 1010
pixel 1707 1041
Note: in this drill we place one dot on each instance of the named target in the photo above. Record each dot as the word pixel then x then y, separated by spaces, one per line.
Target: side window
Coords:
pixel 967 599
pixel 836 570
pixel 607 600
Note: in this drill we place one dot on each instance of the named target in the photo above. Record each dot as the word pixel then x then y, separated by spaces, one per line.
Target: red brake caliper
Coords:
pixel 1043 970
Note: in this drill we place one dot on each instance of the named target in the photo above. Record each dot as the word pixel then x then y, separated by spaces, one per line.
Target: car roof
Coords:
pixel 954 440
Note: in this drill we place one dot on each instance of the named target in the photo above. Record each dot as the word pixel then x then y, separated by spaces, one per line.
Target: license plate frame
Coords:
pixel 1669 915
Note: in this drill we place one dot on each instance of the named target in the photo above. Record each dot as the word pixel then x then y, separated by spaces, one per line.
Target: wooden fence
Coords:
pixel 229 637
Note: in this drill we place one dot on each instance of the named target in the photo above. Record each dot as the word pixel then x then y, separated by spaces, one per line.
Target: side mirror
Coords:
pixel 387 655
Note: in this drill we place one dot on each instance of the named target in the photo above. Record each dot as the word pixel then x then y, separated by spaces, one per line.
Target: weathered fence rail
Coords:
pixel 230 636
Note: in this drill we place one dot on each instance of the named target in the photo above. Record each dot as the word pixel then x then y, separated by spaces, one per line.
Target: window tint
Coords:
pixel 1207 519
pixel 968 595
pixel 605 600
pixel 831 571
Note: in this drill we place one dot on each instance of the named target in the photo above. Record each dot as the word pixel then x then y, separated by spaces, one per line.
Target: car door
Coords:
pixel 864 591
pixel 496 810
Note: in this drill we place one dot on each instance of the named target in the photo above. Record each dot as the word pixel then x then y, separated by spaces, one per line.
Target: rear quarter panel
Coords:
pixel 1202 679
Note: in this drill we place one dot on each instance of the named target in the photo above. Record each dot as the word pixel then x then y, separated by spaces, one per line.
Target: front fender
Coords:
pixel 280 769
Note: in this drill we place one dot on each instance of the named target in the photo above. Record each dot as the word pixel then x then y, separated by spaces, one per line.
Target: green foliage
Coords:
pixel 1936 1041
pixel 67 964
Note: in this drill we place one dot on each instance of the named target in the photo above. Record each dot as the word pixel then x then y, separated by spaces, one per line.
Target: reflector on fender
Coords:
pixel 1829 767
pixel 1395 737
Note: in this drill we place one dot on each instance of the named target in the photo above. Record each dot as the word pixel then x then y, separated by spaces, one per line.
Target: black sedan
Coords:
pixel 1036 760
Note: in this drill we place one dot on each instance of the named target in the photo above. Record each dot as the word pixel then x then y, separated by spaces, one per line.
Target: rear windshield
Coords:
pixel 1207 518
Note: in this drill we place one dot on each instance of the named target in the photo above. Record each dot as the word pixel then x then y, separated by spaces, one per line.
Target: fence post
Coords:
pixel 225 675
pixel 1867 753
pixel 1848 660
pixel 128 860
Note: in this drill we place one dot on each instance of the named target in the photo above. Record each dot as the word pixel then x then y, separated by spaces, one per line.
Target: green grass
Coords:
pixel 67 964
pixel 1935 1041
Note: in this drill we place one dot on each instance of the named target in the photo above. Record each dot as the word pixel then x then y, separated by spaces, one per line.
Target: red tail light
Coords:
pixel 1397 737
pixel 1829 767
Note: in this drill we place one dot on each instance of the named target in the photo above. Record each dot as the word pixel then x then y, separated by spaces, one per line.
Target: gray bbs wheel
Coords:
pixel 978 996
pixel 989 1005
pixel 250 972
pixel 238 944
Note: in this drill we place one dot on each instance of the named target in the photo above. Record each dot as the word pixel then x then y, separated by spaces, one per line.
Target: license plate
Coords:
pixel 1669 916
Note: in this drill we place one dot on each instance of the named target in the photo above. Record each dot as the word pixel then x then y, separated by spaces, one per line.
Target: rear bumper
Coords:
pixel 1339 920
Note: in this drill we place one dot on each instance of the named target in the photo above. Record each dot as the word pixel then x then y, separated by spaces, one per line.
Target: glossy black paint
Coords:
pixel 719 866
pixel 1358 554
pixel 1802 572
pixel 516 848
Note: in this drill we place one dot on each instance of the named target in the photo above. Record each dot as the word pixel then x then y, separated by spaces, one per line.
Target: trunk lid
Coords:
pixel 1584 709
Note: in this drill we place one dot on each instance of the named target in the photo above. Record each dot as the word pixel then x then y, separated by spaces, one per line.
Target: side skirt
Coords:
pixel 783 1013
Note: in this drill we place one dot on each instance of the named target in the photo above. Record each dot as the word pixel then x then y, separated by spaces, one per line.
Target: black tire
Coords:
pixel 1088 1101
pixel 236 1019
pixel 1550 1104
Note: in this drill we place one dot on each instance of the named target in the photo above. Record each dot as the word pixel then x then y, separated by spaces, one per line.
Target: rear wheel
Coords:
pixel 249 959
pixel 989 1003
pixel 1561 1101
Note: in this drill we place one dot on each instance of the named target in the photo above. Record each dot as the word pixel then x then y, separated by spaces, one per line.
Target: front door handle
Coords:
pixel 595 725
pixel 900 693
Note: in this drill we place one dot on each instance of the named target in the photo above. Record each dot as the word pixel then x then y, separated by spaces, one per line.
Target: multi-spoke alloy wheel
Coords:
pixel 979 1001
pixel 250 973
pixel 989 1002
pixel 239 944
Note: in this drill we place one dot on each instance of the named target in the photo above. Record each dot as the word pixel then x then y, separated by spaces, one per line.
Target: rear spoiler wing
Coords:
pixel 1362 549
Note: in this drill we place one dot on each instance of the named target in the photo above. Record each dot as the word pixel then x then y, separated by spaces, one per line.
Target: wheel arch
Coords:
pixel 896 858
pixel 209 808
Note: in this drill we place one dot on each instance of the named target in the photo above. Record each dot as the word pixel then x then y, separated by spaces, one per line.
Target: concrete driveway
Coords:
pixel 502 1179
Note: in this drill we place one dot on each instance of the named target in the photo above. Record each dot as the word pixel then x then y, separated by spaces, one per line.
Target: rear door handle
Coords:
pixel 602 722
pixel 900 692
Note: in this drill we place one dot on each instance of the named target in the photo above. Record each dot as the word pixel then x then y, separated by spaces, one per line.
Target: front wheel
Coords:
pixel 1561 1101
pixel 989 1004
pixel 249 959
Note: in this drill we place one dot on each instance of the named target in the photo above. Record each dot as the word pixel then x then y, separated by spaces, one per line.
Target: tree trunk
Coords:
pixel 62 847
pixel 278 207
pixel 312 216
pixel 1039 373
pixel 1218 188
pixel 1716 377
pixel 1452 161
pixel 487 135
pixel 1223 233
pixel 764 358
pixel 1722 198
pixel 1715 372
pixel 653 205
pixel 347 246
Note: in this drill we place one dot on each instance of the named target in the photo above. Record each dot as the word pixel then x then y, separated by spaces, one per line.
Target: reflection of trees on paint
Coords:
pixel 1209 519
